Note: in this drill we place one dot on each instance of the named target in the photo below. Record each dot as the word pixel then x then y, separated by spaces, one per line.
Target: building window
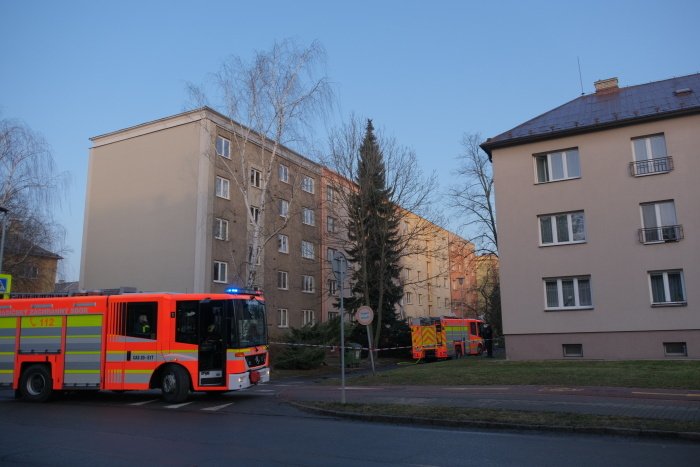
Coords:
pixel 29 271
pixel 408 297
pixel 307 284
pixel 255 178
pixel 307 249
pixel 254 214
pixel 283 172
pixel 220 229
pixel 333 315
pixel 675 349
pixel 330 194
pixel 418 274
pixel 307 216
pixel 565 228
pixel 308 318
pixel 282 280
pixel 567 293
pixel 330 254
pixel 307 184
pixel 572 350
pixel 223 147
pixel 659 223
pixel 650 156
pixel 223 188
pixel 332 287
pixel 447 303
pixel 667 288
pixel 406 273
pixel 220 271
pixel 420 299
pixel 284 208
pixel 282 243
pixel 330 224
pixel 282 318
pixel 560 165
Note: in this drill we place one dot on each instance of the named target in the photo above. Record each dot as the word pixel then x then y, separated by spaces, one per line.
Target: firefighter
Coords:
pixel 142 327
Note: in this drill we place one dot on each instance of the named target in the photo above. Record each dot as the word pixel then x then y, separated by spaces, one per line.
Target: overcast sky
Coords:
pixel 426 72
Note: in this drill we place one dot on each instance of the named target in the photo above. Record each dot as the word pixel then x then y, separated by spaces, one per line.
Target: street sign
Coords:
pixel 5 285
pixel 339 265
pixel 364 315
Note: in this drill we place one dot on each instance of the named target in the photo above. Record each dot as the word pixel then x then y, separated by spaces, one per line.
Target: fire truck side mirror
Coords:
pixel 438 328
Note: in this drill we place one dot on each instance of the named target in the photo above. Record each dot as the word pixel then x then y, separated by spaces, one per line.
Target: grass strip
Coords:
pixel 514 417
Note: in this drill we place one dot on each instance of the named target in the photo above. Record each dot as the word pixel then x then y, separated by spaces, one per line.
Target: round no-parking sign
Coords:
pixel 364 315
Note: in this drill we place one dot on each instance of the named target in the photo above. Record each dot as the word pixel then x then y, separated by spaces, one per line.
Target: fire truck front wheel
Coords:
pixel 175 384
pixel 36 384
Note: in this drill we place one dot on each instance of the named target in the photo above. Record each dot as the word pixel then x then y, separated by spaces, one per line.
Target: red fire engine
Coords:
pixel 435 338
pixel 133 341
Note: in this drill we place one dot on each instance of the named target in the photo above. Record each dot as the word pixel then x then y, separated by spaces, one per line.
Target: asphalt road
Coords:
pixel 256 428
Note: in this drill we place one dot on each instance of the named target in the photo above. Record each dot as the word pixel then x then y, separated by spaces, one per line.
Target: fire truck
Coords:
pixel 133 341
pixel 440 338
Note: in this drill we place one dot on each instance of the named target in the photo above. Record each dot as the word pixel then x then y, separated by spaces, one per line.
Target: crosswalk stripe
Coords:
pixel 144 402
pixel 177 406
pixel 218 407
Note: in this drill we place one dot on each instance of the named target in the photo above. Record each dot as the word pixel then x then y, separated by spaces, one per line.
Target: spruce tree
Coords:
pixel 374 241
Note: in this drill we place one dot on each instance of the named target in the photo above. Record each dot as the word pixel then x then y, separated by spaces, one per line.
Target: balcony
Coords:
pixel 663 234
pixel 651 166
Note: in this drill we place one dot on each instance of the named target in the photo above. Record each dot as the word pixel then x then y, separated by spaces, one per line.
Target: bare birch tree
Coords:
pixel 30 189
pixel 271 101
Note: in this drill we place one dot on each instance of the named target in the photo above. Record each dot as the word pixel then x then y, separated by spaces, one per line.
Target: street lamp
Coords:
pixel 4 212
pixel 461 301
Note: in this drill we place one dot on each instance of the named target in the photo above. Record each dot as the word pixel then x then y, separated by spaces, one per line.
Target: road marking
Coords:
pixel 360 389
pixel 664 394
pixel 218 407
pixel 476 389
pixel 561 389
pixel 177 406
pixel 144 402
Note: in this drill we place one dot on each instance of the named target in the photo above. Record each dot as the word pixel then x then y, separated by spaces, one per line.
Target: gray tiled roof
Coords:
pixel 618 107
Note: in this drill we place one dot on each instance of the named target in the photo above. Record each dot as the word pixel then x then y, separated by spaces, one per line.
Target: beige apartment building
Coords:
pixel 599 228
pixel 166 211
pixel 172 206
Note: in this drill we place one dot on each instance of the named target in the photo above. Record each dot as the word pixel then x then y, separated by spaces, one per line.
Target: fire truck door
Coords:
pixel 212 350
pixel 141 353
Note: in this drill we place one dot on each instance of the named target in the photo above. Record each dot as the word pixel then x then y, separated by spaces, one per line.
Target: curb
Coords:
pixel 400 420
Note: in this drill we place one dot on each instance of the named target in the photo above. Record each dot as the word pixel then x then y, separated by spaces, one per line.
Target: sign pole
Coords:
pixel 339 266
pixel 371 349
pixel 365 315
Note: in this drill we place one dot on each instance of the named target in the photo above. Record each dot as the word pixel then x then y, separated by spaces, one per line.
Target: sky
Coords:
pixel 426 72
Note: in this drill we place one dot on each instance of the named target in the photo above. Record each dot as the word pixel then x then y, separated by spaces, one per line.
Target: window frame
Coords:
pixel 255 177
pixel 332 287
pixel 220 224
pixel 667 288
pixel 283 170
pixel 283 243
pixel 330 224
pixel 554 231
pixel 308 184
pixel 548 156
pixel 570 354
pixel 307 247
pixel 659 225
pixel 308 317
pixel 560 293
pixel 282 318
pixel 308 216
pixel 308 284
pixel 282 280
pixel 409 298
pixel 254 215
pixel 683 353
pixel 283 208
pixel 220 183
pixel 225 143
pixel 216 276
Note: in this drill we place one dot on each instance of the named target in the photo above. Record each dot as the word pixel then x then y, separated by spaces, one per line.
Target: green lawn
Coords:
pixel 481 371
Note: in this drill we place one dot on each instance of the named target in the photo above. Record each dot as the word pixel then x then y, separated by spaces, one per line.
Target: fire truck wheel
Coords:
pixel 36 384
pixel 175 383
pixel 479 350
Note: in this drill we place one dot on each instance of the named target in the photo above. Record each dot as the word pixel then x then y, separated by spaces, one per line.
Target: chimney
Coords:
pixel 606 85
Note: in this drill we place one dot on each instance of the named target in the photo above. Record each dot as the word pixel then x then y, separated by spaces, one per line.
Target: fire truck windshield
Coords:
pixel 250 328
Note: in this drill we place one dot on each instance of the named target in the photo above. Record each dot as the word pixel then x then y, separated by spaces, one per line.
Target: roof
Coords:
pixel 606 109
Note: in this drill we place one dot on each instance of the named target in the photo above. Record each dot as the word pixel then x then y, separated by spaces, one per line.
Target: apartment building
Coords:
pixel 172 206
pixel 599 232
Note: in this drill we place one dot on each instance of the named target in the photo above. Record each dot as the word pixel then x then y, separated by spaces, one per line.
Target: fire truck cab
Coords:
pixel 443 337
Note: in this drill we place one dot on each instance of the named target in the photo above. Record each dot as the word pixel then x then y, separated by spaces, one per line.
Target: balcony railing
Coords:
pixel 663 234
pixel 651 166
